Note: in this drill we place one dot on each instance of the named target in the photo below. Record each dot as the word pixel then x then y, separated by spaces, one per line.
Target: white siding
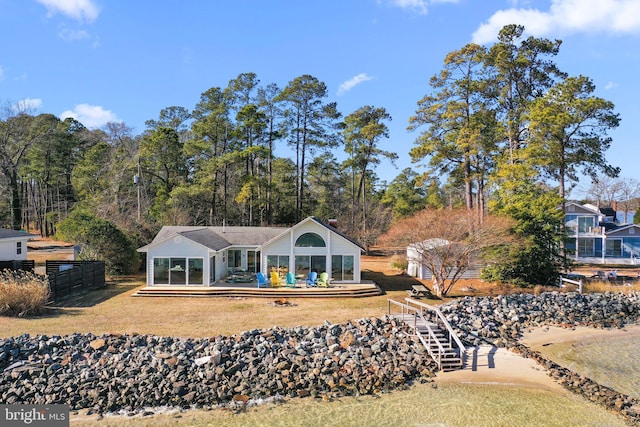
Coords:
pixel 178 247
pixel 8 249
pixel 335 245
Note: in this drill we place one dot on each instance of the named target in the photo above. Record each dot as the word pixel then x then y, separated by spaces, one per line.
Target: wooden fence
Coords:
pixel 26 265
pixel 70 277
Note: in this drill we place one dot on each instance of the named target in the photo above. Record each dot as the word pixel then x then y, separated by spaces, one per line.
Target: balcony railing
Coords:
pixel 588 231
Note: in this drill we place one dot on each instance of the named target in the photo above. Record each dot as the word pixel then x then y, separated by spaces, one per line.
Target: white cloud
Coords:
pixel 566 16
pixel 81 10
pixel 353 82
pixel 92 116
pixel 419 6
pixel 1 73
pixel 610 85
pixel 28 104
pixel 73 35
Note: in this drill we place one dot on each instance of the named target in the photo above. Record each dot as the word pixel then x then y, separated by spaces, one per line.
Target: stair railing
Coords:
pixel 408 312
pixel 440 319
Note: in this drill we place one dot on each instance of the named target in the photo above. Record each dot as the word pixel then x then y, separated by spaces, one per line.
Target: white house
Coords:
pixel 416 266
pixel 200 256
pixel 13 244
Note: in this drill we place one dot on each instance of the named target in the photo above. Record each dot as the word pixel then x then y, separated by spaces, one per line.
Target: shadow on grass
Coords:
pixel 395 282
pixel 92 297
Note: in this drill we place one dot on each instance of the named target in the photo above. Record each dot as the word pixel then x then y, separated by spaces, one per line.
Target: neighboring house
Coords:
pixel 13 244
pixel 594 236
pixel 416 266
pixel 200 256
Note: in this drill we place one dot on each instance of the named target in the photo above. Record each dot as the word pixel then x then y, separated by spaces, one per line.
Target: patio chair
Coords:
pixel 323 280
pixel 291 280
pixel 261 280
pixel 312 280
pixel 275 279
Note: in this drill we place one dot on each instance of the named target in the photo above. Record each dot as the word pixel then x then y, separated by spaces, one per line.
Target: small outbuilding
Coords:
pixel 13 244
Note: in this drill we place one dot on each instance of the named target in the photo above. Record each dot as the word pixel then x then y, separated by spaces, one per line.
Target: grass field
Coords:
pixel 113 310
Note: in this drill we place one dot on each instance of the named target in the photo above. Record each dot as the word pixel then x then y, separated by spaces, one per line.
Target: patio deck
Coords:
pixel 223 289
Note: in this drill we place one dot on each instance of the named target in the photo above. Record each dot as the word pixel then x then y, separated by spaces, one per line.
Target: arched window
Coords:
pixel 310 240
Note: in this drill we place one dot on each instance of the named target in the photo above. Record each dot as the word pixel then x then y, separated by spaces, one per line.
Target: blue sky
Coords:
pixel 119 60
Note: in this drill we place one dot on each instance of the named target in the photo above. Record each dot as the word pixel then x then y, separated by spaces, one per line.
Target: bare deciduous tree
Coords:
pixel 447 242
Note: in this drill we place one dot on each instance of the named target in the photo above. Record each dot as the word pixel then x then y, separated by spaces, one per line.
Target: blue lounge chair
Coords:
pixel 291 280
pixel 312 280
pixel 261 280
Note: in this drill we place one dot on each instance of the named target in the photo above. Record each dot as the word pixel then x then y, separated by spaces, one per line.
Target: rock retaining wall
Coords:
pixel 501 320
pixel 133 372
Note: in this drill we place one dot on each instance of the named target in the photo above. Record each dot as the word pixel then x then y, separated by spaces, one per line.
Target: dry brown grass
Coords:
pixel 22 293
pixel 113 310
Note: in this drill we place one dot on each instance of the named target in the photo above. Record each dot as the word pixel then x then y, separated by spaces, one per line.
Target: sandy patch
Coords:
pixel 491 365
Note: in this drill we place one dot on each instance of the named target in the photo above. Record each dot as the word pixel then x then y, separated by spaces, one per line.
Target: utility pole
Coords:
pixel 136 181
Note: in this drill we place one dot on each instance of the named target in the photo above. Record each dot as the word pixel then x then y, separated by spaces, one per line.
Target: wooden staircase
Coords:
pixel 450 357
pixel 439 339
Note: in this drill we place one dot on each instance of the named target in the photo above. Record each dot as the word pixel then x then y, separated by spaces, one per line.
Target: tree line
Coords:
pixel 501 131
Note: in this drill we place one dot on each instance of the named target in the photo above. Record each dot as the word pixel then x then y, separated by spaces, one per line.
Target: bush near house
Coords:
pixel 99 240
pixel 22 293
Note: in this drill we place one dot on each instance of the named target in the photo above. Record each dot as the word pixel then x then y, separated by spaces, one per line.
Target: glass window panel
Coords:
pixel 336 267
pixel 161 271
pixel 310 240
pixel 318 263
pixel 178 272
pixel 283 263
pixel 272 262
pixel 195 271
pixel 585 224
pixel 253 261
pixel 347 271
pixel 302 265
pixel 234 258
pixel 614 248
pixel 585 247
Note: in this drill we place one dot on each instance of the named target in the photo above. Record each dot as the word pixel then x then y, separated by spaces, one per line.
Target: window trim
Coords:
pixel 186 271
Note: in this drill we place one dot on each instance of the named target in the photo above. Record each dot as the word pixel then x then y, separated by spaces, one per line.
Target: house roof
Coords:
pixel 608 212
pixel 577 208
pixel 430 244
pixel 338 232
pixel 623 229
pixel 217 238
pixel 206 237
pixel 6 233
